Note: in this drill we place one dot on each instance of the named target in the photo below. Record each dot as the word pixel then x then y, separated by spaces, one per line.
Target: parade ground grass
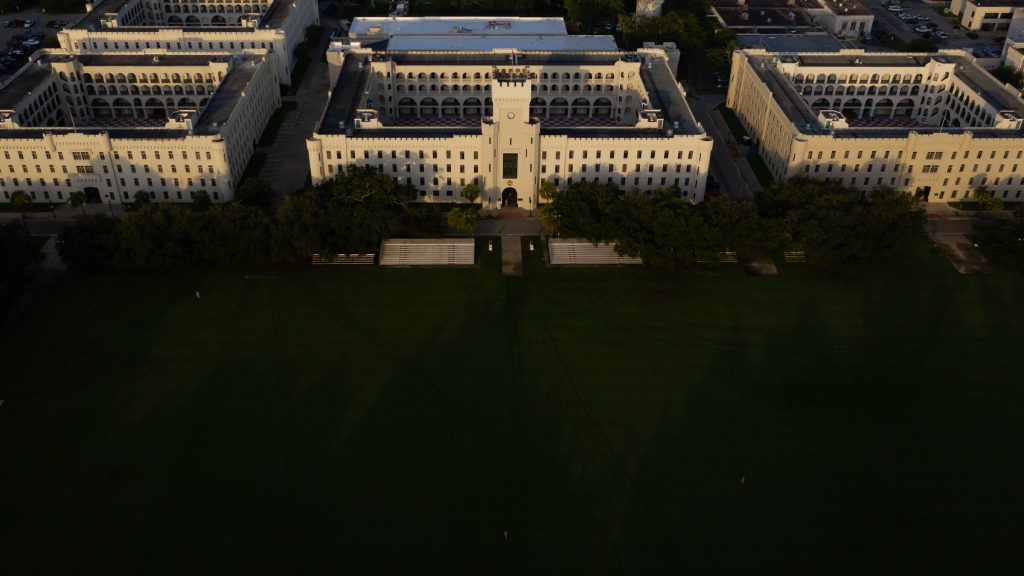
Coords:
pixel 359 420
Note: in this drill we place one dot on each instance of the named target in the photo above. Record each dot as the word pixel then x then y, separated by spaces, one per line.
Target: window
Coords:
pixel 509 166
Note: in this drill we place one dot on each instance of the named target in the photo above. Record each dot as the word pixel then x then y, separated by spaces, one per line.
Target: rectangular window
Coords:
pixel 509 166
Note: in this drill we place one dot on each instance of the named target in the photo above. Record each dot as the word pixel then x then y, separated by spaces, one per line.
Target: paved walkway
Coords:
pixel 726 169
pixel 287 165
pixel 513 227
pixel 51 264
pixel 511 256
pixel 951 236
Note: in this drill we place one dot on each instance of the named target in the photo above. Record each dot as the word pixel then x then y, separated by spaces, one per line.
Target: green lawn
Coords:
pixel 733 122
pixel 761 170
pixel 623 421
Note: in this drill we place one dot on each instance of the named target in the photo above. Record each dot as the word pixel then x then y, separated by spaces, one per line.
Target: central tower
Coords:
pixel 512 138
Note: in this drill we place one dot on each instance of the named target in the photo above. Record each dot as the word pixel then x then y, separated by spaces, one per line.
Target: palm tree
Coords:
pixel 21 201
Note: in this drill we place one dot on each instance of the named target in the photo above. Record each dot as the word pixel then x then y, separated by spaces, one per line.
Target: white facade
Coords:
pixel 111 126
pixel 508 120
pixel 932 124
pixel 982 16
pixel 202 27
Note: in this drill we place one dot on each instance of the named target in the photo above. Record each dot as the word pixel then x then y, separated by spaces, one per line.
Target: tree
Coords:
pixel 465 219
pixel 547 190
pixel 591 13
pixel 87 245
pixel 723 42
pixel 1002 240
pixel 256 193
pixel 987 200
pixel 77 199
pixel 1008 75
pixel 234 235
pixel 201 201
pixel 141 198
pixel 296 230
pixel 683 28
pixel 21 201
pixel 155 237
pixel 16 251
pixel 471 191
pixel 839 228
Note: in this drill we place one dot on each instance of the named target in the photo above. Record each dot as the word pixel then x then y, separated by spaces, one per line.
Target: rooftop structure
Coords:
pixel 206 26
pixel 846 18
pixel 88 117
pixel 368 27
pixel 511 118
pixel 809 42
pixel 906 109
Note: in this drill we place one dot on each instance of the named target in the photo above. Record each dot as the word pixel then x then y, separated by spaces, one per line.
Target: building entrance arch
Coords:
pixel 509 198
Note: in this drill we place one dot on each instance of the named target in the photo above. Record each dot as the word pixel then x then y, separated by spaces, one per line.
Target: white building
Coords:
pixel 113 125
pixel 196 26
pixel 985 15
pixel 932 124
pixel 509 118
pixel 847 18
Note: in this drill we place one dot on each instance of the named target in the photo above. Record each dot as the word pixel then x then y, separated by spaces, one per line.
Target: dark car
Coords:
pixel 51 23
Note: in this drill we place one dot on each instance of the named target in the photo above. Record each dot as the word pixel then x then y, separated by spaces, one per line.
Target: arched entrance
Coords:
pixel 509 198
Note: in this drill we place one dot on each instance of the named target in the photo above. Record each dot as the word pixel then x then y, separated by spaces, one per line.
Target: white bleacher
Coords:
pixel 342 259
pixel 580 252
pixel 427 252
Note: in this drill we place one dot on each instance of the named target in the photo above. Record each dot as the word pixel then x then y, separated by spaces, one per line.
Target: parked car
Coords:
pixel 923 18
pixel 921 29
pixel 30 23
pixel 895 8
pixel 940 34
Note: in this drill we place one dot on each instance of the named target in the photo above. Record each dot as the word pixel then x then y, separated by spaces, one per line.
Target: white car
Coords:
pixel 895 8
pixel 940 34
pixel 921 29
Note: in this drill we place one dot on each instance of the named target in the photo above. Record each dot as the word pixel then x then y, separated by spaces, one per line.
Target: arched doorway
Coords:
pixel 509 198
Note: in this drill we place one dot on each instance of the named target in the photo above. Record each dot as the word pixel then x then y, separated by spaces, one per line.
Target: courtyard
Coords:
pixel 571 420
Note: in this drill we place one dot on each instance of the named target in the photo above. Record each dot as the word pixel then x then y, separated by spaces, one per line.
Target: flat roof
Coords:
pixel 804 118
pixel 172 59
pixel 217 111
pixel 482 42
pixel 661 86
pixel 92 18
pixel 444 26
pixel 781 18
pixel 274 17
pixel 793 42
pixel 23 82
pixel 846 7
pixel 760 4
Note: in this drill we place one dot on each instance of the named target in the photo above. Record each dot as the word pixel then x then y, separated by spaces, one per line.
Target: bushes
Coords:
pixel 839 228
pixel 1002 241
pixel 352 214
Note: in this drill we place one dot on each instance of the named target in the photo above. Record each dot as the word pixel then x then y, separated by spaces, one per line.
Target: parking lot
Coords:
pixel 17 41
pixel 932 25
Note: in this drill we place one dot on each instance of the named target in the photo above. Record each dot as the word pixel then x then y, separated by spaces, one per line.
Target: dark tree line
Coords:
pixel 351 214
pixel 838 228
pixel 1002 240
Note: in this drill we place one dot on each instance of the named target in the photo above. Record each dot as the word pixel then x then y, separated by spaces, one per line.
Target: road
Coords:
pixel 723 166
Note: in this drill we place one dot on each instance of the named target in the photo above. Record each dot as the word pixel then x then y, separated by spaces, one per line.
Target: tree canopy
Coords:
pixel 839 228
